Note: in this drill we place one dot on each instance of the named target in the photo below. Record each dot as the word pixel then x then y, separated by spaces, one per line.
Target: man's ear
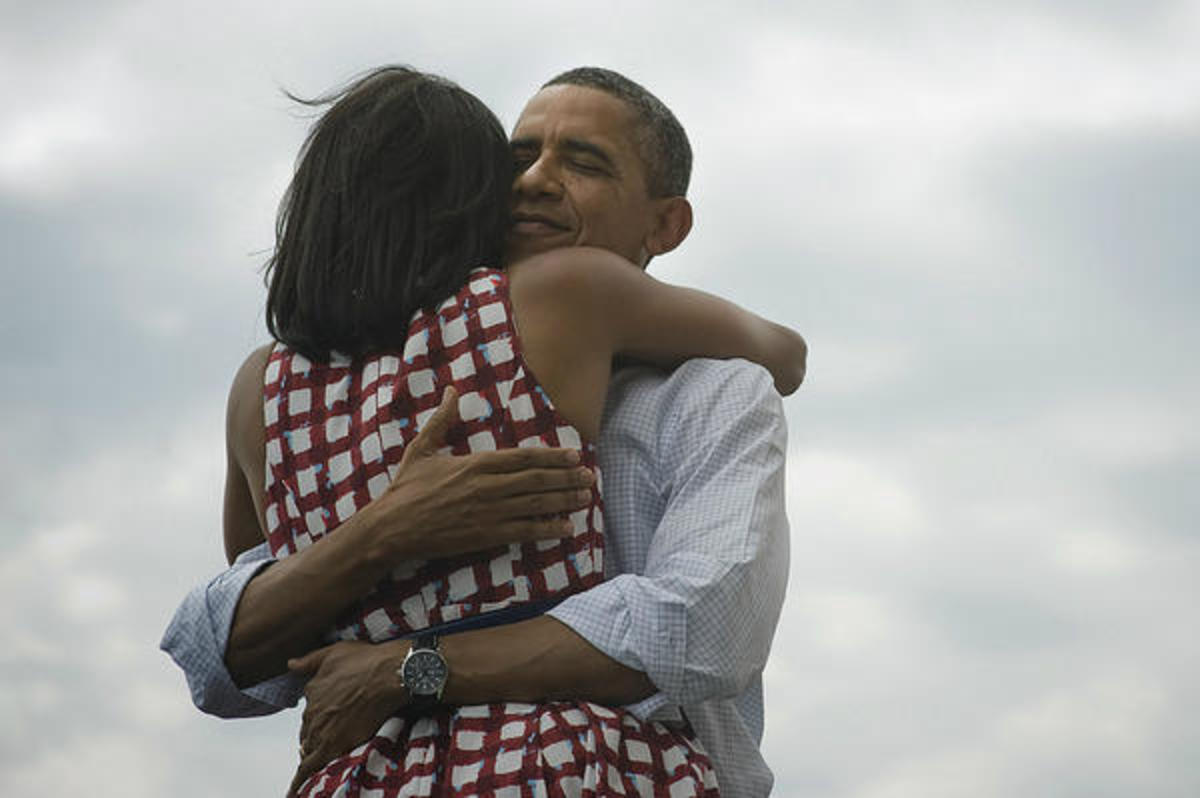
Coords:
pixel 673 219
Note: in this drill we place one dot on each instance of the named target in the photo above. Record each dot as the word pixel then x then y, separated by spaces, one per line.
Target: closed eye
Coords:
pixel 587 168
pixel 524 154
pixel 588 158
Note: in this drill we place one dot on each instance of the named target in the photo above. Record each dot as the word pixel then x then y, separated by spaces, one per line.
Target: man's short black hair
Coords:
pixel 664 146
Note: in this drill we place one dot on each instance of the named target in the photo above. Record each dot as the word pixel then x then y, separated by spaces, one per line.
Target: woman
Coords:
pixel 381 297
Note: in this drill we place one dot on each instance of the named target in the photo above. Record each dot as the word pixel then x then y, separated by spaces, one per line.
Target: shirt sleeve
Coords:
pixel 700 618
pixel 196 640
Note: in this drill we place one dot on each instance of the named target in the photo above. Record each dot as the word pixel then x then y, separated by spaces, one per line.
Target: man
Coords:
pixel 693 468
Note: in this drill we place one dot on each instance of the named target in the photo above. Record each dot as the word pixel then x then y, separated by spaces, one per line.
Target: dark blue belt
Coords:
pixel 510 614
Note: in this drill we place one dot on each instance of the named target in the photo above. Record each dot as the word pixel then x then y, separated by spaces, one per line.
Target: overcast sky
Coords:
pixel 982 217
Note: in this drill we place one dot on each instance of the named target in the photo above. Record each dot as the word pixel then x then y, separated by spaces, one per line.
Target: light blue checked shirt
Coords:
pixel 696 555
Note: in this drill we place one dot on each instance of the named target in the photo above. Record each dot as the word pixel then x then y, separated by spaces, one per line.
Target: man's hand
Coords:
pixel 353 689
pixel 436 506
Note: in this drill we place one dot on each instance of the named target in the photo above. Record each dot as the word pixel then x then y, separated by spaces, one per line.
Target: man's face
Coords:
pixel 580 177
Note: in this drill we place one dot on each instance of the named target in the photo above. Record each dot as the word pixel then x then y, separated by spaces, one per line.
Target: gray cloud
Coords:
pixel 978 216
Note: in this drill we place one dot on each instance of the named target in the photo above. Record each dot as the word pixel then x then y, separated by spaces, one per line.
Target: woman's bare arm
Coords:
pixel 646 319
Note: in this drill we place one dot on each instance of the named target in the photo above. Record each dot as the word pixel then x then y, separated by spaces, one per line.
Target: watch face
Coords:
pixel 424 672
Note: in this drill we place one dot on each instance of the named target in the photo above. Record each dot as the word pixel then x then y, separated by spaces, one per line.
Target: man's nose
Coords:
pixel 540 179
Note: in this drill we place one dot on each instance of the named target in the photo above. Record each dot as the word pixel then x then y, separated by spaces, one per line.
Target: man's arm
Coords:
pixel 434 506
pixel 695 607
pixel 242 627
pixel 700 619
pixel 196 639
pixel 697 621
pixel 354 686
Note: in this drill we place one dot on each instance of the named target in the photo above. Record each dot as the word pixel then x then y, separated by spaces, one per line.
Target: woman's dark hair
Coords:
pixel 401 188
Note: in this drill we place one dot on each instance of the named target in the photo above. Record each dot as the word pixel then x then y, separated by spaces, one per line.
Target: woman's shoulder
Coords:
pixel 243 413
pixel 248 381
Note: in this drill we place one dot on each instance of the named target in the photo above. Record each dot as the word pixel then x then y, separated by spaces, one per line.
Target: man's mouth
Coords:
pixel 536 224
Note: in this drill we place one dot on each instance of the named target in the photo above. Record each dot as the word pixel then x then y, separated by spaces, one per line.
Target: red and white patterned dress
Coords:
pixel 335 436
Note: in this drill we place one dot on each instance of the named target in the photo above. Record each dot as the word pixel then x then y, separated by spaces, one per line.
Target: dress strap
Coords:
pixel 501 617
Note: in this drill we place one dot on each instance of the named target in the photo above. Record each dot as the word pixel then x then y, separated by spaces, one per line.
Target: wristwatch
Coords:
pixel 424 671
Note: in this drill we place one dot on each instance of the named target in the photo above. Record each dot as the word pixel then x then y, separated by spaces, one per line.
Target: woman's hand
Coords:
pixel 353 689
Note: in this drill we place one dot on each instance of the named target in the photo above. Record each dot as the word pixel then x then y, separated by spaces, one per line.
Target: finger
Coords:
pixel 508 460
pixel 310 763
pixel 310 662
pixel 433 433
pixel 297 780
pixel 310 727
pixel 309 745
pixel 302 773
pixel 530 529
pixel 539 504
pixel 533 480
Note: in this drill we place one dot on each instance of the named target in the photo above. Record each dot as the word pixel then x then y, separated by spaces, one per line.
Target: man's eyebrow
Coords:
pixel 525 143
